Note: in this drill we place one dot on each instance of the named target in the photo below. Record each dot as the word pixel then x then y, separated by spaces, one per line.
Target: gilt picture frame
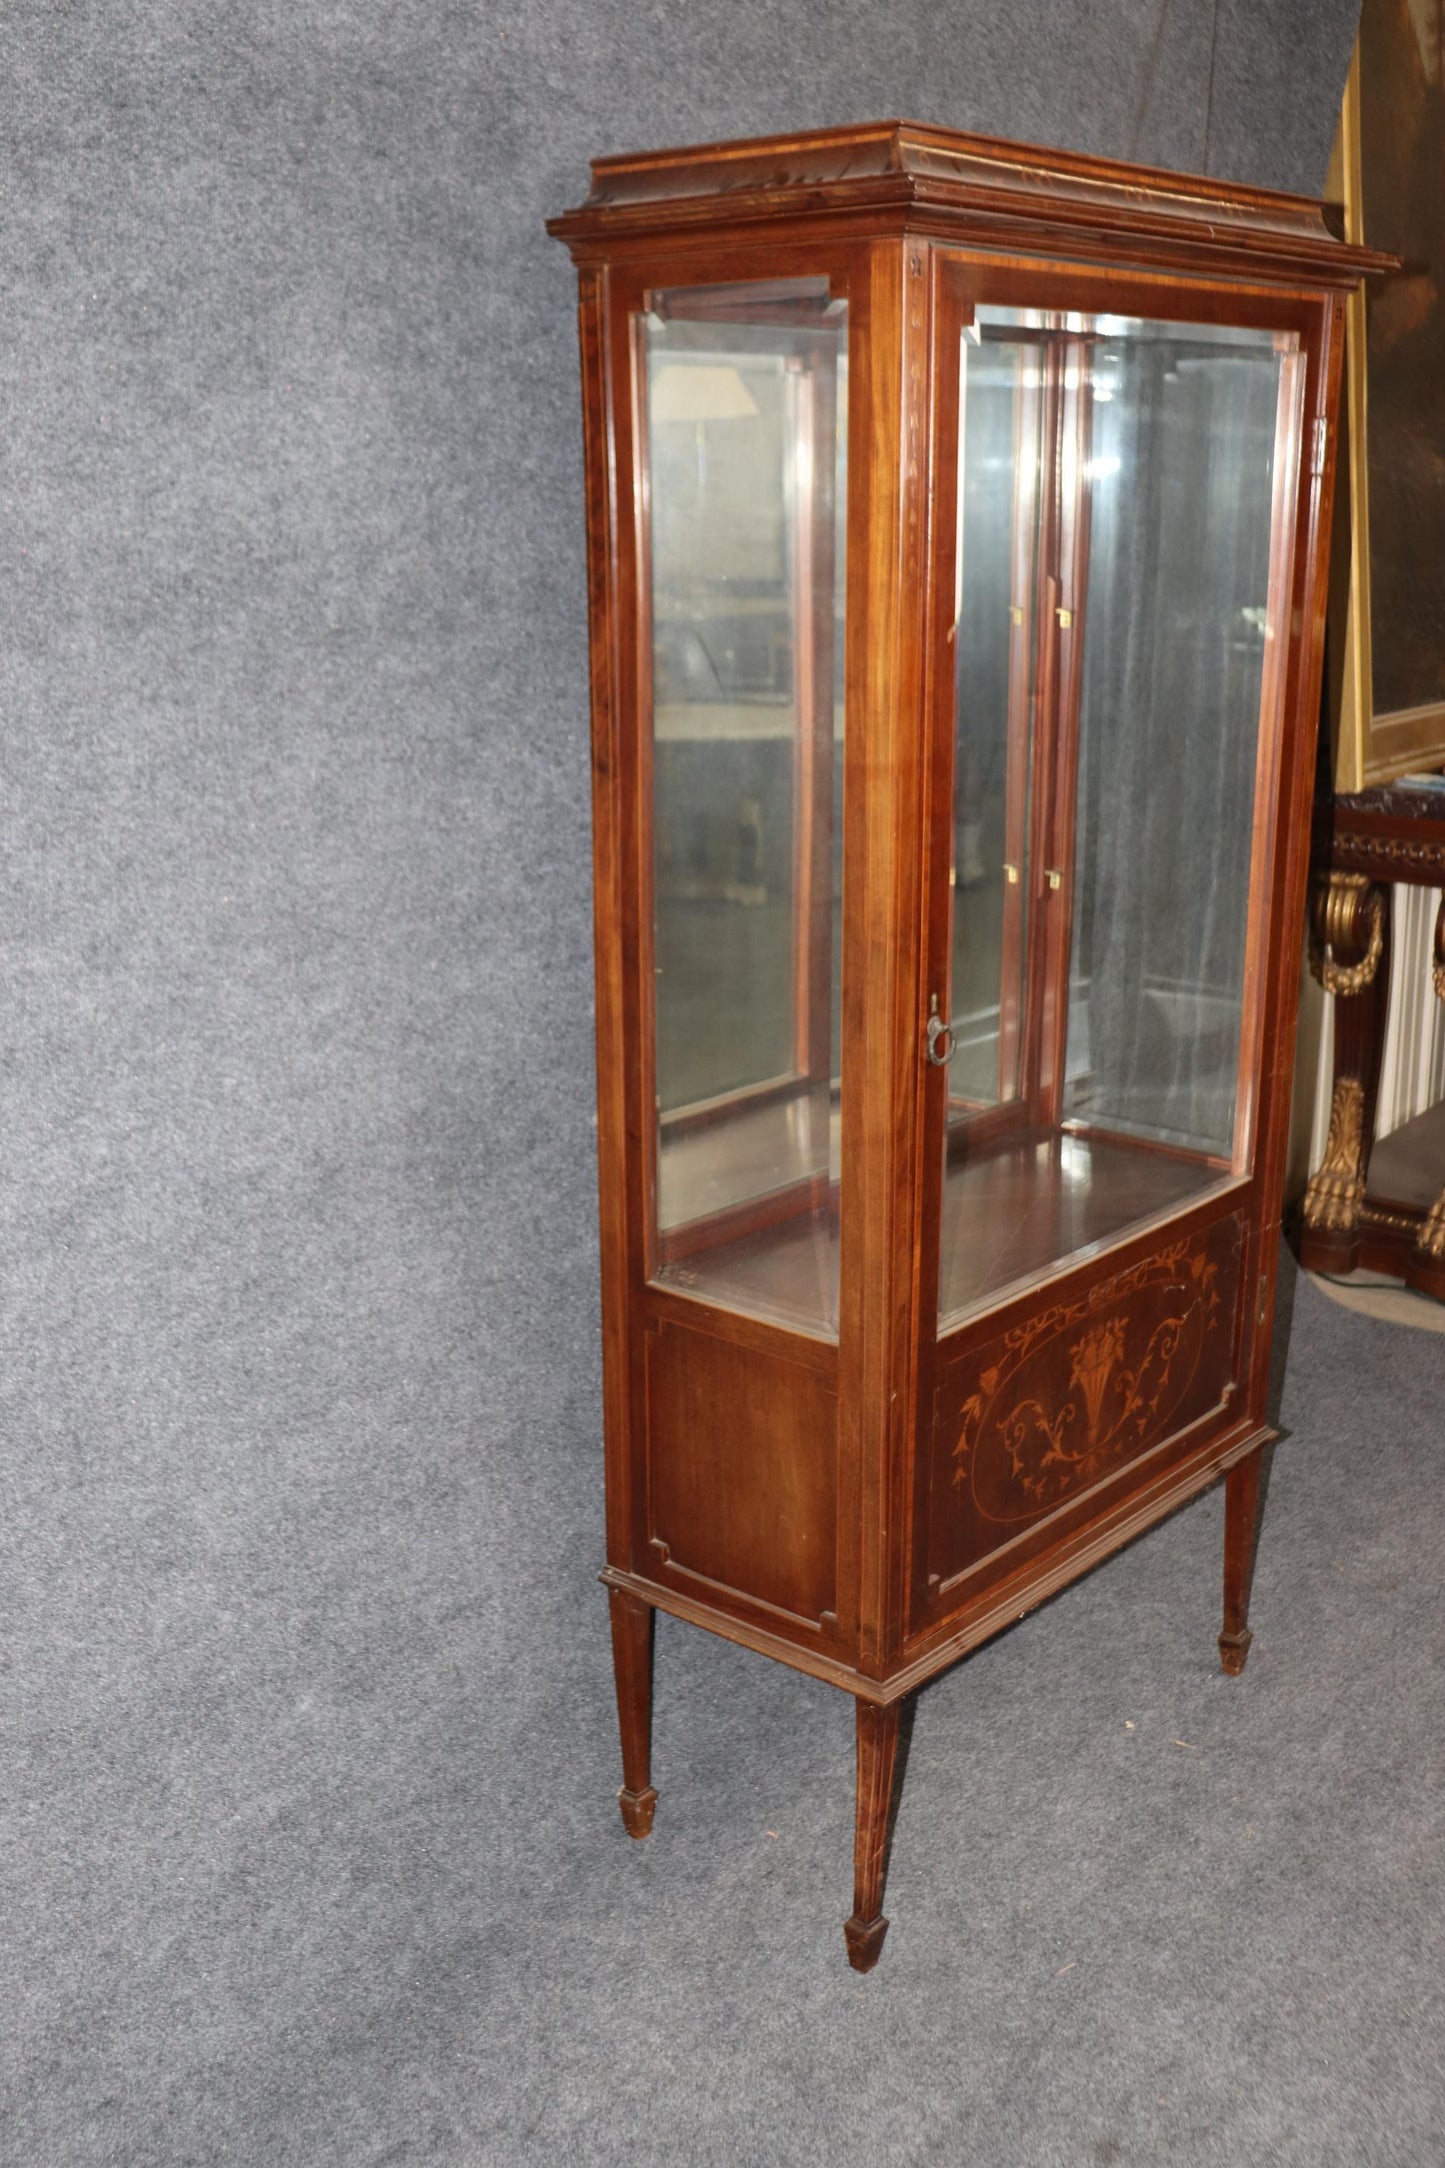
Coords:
pixel 1387 620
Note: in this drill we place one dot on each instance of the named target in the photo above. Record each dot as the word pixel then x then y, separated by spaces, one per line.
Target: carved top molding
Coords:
pixel 1390 857
pixel 1392 833
pixel 894 163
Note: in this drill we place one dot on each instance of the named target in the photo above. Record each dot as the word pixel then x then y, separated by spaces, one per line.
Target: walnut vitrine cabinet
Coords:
pixel 956 518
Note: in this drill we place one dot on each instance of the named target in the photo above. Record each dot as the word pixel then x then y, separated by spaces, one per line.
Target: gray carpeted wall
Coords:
pixel 305 1684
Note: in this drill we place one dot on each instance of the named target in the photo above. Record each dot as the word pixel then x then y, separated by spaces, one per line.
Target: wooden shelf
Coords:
pixel 1008 1217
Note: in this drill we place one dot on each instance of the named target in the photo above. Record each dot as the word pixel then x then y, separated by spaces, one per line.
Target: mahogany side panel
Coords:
pixel 614 296
pixel 742 1474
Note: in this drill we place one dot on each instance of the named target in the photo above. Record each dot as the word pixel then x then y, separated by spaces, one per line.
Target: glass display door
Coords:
pixel 1113 598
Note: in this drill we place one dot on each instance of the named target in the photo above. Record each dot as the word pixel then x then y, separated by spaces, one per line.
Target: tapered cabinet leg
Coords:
pixel 632 1636
pixel 1241 1517
pixel 877 1765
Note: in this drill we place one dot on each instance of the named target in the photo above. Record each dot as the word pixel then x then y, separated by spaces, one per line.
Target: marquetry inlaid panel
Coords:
pixel 1064 1403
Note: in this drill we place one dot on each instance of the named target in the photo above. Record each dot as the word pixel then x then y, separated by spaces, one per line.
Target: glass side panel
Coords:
pixel 746 405
pixel 1145 477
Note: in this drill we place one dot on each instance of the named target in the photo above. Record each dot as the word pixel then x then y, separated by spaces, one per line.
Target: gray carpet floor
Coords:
pixel 311 1857
pixel 314 1856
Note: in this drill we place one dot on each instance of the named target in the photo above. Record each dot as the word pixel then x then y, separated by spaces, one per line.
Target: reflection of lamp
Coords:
pixel 704 392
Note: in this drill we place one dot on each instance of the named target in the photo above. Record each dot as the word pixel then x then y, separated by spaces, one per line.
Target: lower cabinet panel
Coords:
pixel 742 1475
pixel 1054 1413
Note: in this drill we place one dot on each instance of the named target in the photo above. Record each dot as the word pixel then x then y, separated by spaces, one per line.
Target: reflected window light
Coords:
pixel 1105 467
pixel 700 392
pixel 1074 1163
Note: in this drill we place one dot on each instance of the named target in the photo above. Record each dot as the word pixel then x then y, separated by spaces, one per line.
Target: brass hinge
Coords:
pixel 1065 618
pixel 1319 446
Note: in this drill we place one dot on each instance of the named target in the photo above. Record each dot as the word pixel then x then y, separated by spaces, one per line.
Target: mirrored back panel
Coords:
pixel 1119 635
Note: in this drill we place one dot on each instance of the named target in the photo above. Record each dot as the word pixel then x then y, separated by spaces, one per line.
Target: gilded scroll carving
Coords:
pixel 1431 1238
pixel 1337 1187
pixel 1348 909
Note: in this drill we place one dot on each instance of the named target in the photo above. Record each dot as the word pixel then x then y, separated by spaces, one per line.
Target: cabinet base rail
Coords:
pixel 884 1708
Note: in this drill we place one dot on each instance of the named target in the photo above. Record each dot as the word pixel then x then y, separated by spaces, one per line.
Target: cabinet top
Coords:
pixel 940 179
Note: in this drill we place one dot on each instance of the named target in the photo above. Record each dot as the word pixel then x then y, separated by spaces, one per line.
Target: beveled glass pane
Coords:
pixel 998 497
pixel 746 434
pixel 1153 493
pixel 1177 620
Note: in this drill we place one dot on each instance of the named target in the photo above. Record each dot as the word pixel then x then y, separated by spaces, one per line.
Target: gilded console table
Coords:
pixel 1380 1205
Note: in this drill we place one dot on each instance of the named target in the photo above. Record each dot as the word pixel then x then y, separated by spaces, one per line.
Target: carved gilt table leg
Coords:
pixel 1431 1238
pixel 633 1626
pixel 1349 955
pixel 877 1766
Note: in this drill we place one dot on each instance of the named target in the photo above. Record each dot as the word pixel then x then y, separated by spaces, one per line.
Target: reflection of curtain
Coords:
pixel 1173 664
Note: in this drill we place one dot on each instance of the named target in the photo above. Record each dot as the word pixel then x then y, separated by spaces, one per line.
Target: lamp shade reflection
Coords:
pixel 700 392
